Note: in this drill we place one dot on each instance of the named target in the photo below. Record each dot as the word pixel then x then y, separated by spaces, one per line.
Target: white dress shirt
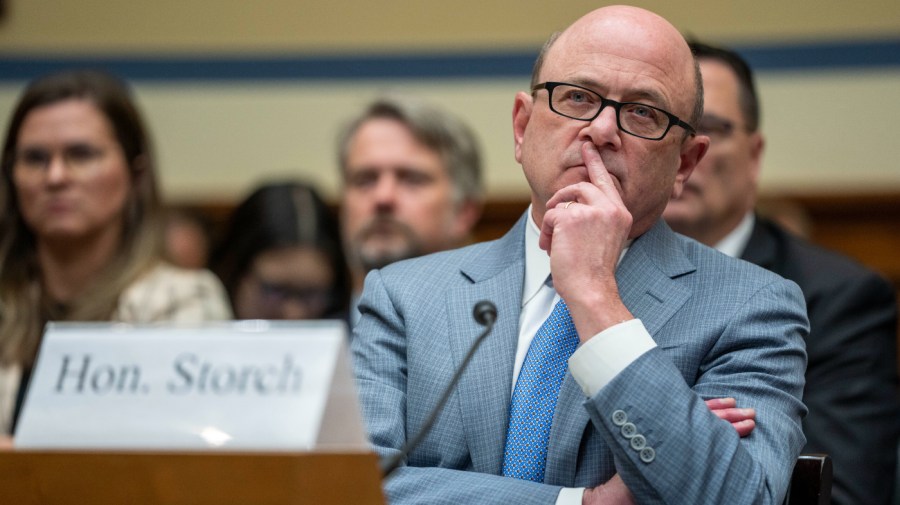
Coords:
pixel 595 363
pixel 735 242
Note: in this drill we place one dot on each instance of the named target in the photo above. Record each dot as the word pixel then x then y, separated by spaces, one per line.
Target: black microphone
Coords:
pixel 485 313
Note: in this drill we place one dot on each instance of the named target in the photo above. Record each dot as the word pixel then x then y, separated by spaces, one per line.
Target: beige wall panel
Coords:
pixel 113 26
pixel 831 131
pixel 221 141
pixel 218 141
pixel 826 131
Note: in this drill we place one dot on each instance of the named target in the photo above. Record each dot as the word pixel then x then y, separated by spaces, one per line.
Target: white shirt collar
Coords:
pixel 735 242
pixel 537 261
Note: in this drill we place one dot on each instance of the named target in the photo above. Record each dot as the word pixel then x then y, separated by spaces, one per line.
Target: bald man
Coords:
pixel 612 330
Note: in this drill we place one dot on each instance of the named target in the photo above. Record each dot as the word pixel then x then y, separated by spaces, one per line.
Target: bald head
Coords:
pixel 636 27
pixel 638 34
pixel 623 54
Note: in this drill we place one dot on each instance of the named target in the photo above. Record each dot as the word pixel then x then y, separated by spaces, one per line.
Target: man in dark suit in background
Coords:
pixel 851 379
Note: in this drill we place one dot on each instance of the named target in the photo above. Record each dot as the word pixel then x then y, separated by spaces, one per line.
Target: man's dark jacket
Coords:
pixel 851 378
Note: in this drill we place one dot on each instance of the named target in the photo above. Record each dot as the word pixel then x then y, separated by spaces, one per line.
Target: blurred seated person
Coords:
pixel 80 236
pixel 851 376
pixel 411 185
pixel 186 238
pixel 281 256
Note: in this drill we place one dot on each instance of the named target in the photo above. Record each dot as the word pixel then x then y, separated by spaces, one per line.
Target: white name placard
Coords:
pixel 246 385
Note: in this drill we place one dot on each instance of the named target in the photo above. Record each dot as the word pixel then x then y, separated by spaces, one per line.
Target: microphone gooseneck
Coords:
pixel 485 314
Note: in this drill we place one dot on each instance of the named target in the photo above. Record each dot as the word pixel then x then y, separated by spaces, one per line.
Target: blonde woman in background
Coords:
pixel 80 229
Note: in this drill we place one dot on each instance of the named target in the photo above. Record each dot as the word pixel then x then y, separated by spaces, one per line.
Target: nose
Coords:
pixel 603 130
pixel 57 171
pixel 385 192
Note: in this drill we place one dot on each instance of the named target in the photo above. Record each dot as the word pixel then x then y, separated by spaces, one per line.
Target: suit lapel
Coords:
pixel 645 279
pixel 485 387
pixel 646 274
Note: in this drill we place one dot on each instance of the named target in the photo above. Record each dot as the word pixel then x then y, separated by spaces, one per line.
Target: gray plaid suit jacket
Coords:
pixel 723 327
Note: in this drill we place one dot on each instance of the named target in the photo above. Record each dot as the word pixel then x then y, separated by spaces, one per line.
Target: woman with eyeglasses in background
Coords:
pixel 281 256
pixel 80 234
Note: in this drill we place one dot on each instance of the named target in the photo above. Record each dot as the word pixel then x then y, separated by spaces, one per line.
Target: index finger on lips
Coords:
pixel 596 170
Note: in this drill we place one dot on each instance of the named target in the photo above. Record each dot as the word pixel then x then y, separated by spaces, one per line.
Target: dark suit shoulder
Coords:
pixel 720 268
pixel 817 270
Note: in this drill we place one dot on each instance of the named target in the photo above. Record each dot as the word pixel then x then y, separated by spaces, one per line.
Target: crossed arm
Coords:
pixel 615 492
pixel 443 468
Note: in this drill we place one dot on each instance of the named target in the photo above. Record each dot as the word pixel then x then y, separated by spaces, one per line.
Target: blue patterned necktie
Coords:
pixel 535 395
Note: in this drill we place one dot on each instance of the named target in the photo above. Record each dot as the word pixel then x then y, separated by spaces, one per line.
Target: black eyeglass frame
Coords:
pixel 617 106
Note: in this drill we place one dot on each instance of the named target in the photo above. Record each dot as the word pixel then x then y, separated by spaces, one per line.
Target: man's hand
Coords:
pixel 6 443
pixel 741 419
pixel 612 491
pixel 584 229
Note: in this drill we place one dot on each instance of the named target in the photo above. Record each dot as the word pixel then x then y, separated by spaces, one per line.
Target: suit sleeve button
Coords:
pixel 628 430
pixel 648 454
pixel 638 442
pixel 619 417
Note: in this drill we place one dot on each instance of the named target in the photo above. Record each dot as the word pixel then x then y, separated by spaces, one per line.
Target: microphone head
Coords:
pixel 485 312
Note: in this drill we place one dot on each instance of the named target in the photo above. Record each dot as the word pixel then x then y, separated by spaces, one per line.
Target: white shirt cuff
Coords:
pixel 600 359
pixel 570 496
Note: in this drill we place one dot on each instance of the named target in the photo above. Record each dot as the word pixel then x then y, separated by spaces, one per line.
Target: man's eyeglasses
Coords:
pixel 638 119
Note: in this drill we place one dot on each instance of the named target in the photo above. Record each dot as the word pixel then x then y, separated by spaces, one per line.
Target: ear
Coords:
pixel 468 213
pixel 692 151
pixel 522 107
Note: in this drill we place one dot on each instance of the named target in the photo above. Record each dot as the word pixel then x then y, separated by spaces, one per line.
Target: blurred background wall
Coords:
pixel 239 91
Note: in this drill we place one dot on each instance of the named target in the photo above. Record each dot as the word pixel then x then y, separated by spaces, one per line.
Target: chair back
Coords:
pixel 810 481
